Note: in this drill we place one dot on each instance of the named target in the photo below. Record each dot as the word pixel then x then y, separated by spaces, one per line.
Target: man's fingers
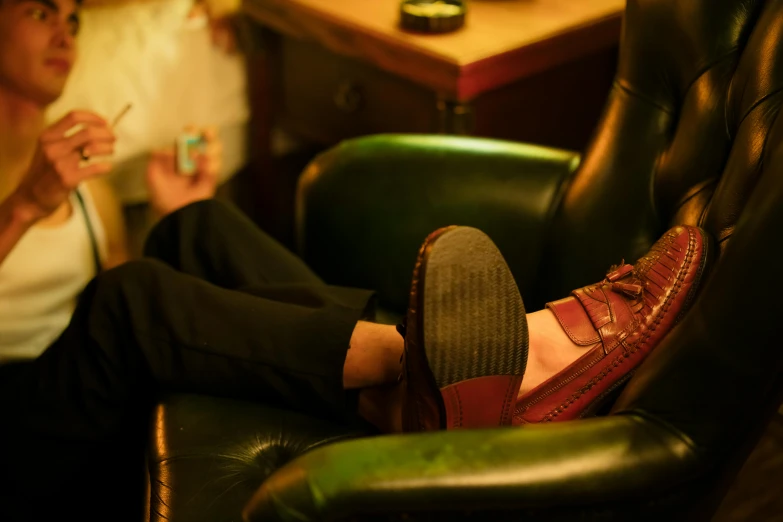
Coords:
pixel 208 169
pixel 90 136
pixel 98 149
pixel 166 158
pixel 214 149
pixel 67 122
pixel 210 134
pixel 97 140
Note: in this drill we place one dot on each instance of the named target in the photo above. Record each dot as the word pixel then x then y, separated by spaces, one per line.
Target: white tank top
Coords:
pixel 41 279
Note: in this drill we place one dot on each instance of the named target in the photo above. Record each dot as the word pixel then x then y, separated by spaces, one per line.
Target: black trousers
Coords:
pixel 216 307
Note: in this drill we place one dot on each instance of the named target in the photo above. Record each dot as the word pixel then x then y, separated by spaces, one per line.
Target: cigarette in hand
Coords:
pixel 122 113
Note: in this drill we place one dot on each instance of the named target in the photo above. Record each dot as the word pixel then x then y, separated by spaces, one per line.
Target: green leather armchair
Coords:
pixel 365 206
pixel 691 133
pixel 675 437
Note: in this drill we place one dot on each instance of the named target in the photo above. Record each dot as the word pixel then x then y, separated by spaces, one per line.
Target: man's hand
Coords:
pixel 170 190
pixel 59 165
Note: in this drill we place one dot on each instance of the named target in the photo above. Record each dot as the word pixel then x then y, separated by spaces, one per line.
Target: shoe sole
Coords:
pixel 473 317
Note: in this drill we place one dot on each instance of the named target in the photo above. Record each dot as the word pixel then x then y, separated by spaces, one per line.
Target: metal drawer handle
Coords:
pixel 348 97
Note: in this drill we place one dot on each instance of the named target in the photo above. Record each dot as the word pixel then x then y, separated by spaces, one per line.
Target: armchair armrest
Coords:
pixel 609 460
pixel 365 206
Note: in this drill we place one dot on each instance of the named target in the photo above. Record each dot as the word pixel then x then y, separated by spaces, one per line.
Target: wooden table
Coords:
pixel 527 70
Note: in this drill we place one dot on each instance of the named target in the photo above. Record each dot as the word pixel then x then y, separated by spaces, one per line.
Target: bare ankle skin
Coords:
pixel 551 350
pixel 374 356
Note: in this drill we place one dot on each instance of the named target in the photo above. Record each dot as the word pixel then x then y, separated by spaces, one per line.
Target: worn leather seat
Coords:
pixel 691 134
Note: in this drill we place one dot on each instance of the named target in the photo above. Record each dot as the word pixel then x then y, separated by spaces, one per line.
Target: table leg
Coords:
pixel 455 117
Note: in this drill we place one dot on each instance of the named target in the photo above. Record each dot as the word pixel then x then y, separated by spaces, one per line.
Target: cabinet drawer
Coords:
pixel 326 98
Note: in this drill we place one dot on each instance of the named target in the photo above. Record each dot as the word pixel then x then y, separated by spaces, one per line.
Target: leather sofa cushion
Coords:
pixel 208 455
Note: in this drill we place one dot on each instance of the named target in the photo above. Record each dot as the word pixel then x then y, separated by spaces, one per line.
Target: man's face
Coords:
pixel 37 47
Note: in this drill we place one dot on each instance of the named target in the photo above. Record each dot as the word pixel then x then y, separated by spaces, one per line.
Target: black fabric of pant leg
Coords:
pixel 144 328
pixel 72 417
pixel 216 242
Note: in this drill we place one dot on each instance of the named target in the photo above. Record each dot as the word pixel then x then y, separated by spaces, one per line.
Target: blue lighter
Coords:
pixel 188 147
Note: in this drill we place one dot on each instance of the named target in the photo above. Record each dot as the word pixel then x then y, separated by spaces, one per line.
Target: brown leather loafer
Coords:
pixel 621 319
pixel 465 335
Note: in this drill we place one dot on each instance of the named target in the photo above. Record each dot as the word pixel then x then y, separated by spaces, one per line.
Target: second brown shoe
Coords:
pixel 619 321
pixel 465 335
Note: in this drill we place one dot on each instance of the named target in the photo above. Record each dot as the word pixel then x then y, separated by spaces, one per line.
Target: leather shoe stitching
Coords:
pixel 626 354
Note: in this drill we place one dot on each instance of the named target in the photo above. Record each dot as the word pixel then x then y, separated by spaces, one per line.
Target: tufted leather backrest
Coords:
pixel 683 135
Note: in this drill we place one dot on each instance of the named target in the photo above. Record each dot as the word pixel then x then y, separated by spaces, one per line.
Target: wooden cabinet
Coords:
pixel 528 70
pixel 326 97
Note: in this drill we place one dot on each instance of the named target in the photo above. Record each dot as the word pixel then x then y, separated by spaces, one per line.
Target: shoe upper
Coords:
pixel 622 318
